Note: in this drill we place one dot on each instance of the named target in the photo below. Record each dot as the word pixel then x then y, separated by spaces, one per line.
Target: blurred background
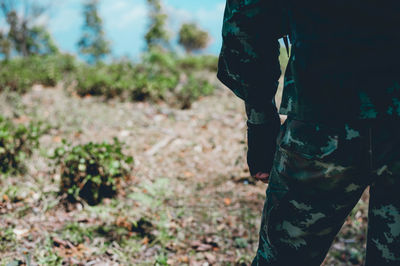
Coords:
pixel 118 146
pixel 124 22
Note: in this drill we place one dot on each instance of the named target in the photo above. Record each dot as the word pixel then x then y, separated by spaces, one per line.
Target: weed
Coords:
pixel 92 171
pixel 7 239
pixel 17 142
pixel 47 255
pixel 76 233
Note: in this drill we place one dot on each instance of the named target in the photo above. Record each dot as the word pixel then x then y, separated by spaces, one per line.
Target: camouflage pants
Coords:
pixel 320 172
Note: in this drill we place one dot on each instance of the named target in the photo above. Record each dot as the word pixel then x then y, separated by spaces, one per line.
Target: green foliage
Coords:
pixel 93 43
pixel 193 89
pixel 92 81
pixel 92 171
pixel 192 38
pixel 159 76
pixel 41 42
pixel 16 144
pixel 156 76
pixel 199 63
pixel 76 233
pixel 161 259
pixel 11 192
pixel 7 239
pixel 154 195
pixel 156 36
pixel 48 255
pixel 108 80
pixel 5 45
pixel 20 74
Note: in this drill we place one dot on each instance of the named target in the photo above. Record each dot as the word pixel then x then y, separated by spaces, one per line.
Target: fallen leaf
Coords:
pixel 145 241
pixel 204 247
pixel 227 201
pixel 188 174
pixel 6 198
pixel 123 222
pixel 184 259
pixel 57 139
pixel 210 257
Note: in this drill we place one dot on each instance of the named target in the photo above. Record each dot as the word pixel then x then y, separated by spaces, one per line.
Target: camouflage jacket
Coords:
pixel 343 63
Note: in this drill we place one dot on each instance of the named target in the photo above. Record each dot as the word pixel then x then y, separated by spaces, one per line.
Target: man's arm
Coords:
pixel 249 66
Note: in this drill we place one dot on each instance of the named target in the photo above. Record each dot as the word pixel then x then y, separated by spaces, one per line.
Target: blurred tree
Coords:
pixel 40 41
pixel 5 45
pixel 93 42
pixel 192 38
pixel 156 36
pixel 25 36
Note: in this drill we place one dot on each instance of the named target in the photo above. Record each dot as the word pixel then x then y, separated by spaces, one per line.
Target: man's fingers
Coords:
pixel 260 175
pixel 263 177
pixel 264 180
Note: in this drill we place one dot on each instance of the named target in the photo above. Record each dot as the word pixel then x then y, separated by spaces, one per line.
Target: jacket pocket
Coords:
pixel 309 140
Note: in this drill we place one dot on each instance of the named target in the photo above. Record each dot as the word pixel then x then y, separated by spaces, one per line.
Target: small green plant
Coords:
pixel 17 142
pixel 76 233
pixel 193 90
pixel 92 171
pixel 47 255
pixel 161 259
pixel 7 238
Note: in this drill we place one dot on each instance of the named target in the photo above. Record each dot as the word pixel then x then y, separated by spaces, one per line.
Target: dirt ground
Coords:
pixel 189 201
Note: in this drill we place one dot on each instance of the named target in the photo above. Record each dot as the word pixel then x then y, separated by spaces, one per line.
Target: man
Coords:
pixel 342 135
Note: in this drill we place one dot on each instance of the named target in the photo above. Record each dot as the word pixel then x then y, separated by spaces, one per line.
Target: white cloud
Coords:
pixel 136 14
pixel 43 20
pixel 118 5
pixel 124 14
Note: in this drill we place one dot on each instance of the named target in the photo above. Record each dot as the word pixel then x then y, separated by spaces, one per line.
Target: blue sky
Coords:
pixel 125 22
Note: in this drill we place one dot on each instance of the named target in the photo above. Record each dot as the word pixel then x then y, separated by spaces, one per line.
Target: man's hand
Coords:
pixel 263 177
pixel 261 148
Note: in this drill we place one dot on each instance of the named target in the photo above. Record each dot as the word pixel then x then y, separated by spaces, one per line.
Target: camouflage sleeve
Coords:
pixel 249 58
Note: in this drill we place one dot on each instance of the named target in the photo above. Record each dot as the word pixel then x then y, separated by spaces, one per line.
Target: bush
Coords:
pixel 92 171
pixel 20 74
pixel 199 63
pixel 16 144
pixel 157 77
pixel 114 80
pixel 149 80
pixel 192 90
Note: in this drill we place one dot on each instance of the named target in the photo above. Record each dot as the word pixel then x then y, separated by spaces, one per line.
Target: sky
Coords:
pixel 125 22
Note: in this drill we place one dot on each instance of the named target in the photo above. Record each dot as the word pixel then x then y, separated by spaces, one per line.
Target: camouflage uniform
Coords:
pixel 319 174
pixel 342 98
